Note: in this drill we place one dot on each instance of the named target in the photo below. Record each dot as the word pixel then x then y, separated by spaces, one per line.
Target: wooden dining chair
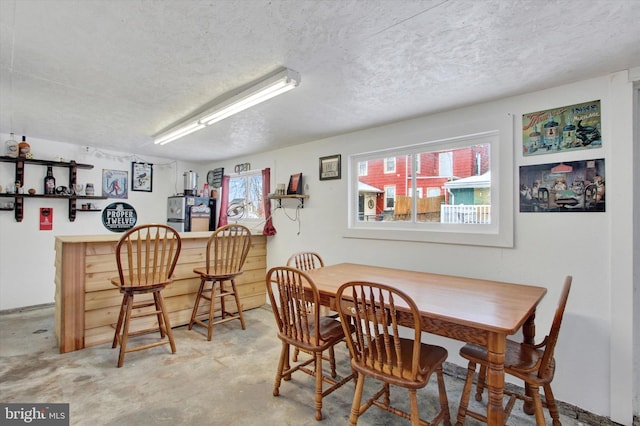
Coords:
pixel 146 256
pixel 534 364
pixel 295 303
pixel 379 352
pixel 306 261
pixel 227 250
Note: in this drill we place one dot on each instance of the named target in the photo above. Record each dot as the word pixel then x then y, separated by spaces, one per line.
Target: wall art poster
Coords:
pixel 567 128
pixel 114 183
pixel 141 176
pixel 570 186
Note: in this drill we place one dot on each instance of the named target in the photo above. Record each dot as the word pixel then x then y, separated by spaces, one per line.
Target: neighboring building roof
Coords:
pixel 478 181
pixel 363 187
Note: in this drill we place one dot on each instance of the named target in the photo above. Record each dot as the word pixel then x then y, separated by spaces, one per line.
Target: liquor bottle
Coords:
pixel 568 134
pixel 551 138
pixel 49 182
pixel 24 149
pixel 12 147
pixel 535 139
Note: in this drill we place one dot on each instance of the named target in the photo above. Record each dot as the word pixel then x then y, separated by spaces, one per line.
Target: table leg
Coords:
pixel 496 347
pixel 529 335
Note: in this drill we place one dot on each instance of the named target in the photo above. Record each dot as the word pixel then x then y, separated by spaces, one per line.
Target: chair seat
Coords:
pixel 521 360
pixel 213 276
pixel 330 332
pixel 430 356
pixel 139 288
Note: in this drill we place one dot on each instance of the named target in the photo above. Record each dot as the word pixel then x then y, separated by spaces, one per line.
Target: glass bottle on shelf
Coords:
pixel 12 147
pixel 24 149
pixel 49 182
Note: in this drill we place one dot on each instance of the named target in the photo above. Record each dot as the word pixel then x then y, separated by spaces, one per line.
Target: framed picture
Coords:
pixel 141 177
pixel 114 183
pixel 330 167
pixel 569 186
pixel 567 128
pixel 295 184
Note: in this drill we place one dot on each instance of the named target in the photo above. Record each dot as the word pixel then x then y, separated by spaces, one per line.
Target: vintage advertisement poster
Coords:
pixel 560 129
pixel 563 187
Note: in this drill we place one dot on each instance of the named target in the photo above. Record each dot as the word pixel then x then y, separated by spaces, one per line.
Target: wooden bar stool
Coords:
pixel 146 256
pixel 227 251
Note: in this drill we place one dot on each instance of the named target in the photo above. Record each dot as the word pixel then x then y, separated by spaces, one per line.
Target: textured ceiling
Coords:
pixel 110 74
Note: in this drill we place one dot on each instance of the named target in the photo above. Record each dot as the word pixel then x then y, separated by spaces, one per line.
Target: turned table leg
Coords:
pixel 529 335
pixel 496 347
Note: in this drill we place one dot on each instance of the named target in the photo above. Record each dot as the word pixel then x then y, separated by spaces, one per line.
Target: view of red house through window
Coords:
pixel 448 186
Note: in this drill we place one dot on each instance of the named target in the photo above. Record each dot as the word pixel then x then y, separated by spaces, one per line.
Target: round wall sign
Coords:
pixel 119 217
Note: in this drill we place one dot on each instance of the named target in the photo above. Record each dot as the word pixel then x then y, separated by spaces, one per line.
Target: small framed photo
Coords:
pixel 330 167
pixel 141 177
pixel 295 184
pixel 115 183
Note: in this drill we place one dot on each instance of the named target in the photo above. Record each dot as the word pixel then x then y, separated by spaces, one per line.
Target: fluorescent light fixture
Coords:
pixel 178 132
pixel 265 89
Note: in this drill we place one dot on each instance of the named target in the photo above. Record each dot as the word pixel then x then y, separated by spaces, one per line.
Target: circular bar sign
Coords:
pixel 119 217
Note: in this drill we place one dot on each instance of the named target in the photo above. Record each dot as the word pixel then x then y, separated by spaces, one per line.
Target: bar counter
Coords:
pixel 87 304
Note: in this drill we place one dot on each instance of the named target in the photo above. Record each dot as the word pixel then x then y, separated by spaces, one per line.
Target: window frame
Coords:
pixel 497 131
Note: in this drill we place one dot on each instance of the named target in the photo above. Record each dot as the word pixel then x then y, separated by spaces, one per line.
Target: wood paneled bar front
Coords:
pixel 87 304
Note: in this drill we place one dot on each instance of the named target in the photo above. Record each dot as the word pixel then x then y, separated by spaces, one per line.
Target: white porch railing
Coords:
pixel 460 213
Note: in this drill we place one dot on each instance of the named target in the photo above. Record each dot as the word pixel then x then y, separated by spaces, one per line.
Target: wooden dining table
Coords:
pixel 466 309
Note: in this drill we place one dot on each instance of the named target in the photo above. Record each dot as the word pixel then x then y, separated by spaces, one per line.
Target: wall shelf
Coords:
pixel 279 198
pixel 72 166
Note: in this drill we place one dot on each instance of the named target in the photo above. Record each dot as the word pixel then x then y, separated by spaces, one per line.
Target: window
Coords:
pixel 445 163
pixel 362 168
pixel 389 197
pixel 390 165
pixel 245 197
pixel 455 198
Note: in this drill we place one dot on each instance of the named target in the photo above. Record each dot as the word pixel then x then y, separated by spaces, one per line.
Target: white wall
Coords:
pixel 595 351
pixel 27 254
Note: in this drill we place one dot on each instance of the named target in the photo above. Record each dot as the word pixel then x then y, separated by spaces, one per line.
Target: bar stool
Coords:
pixel 227 251
pixel 146 256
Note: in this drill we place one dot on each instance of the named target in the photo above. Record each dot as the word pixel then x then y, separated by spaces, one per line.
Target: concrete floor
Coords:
pixel 228 381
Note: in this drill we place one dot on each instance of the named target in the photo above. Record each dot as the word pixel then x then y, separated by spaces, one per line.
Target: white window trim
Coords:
pixel 498 132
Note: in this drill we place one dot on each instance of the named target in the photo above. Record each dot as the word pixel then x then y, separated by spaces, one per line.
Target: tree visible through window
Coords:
pixel 245 196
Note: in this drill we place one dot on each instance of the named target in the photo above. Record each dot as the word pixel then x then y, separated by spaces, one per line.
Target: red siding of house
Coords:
pixel 464 165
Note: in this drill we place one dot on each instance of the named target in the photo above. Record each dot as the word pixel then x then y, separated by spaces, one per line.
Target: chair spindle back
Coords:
pixel 295 304
pixel 305 261
pixel 147 255
pixel 227 250
pixel 374 310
